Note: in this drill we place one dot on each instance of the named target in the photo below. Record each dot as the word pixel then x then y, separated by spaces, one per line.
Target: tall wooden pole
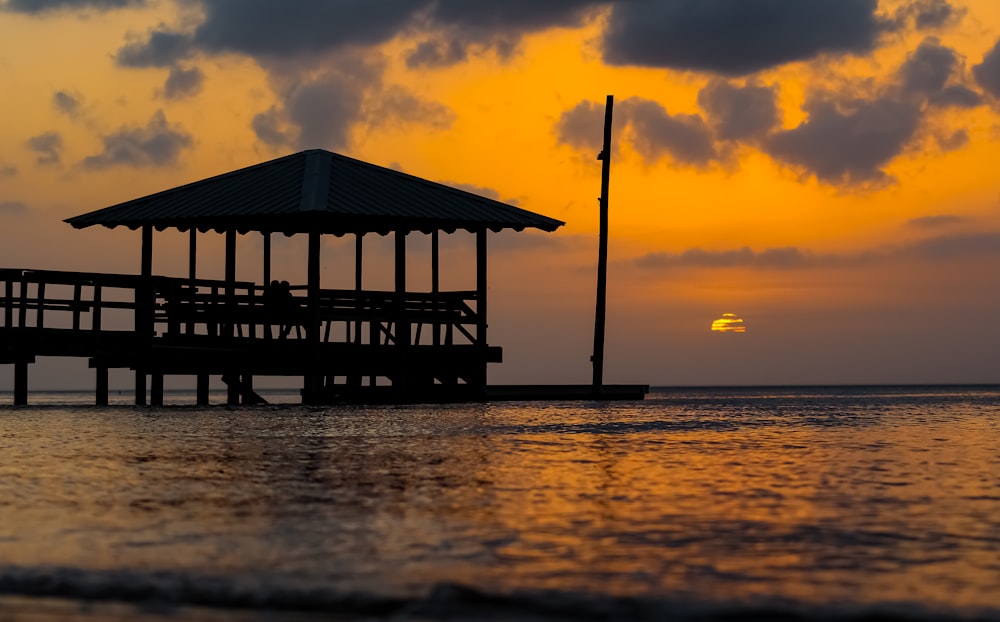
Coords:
pixel 602 254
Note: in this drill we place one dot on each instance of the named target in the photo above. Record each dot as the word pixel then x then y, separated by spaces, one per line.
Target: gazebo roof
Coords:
pixel 316 191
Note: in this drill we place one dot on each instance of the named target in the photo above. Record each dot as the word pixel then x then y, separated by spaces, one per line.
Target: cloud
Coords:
pixel 157 144
pixel 395 105
pixel 7 170
pixel 67 103
pixel 12 207
pixel 739 113
pixel 183 83
pixel 954 141
pixel 264 28
pixel 847 142
pixel 582 127
pixel 270 130
pixel 936 249
pixel 930 14
pixel 926 70
pixel 737 38
pixel 160 48
pixel 460 27
pixel 655 133
pixel 936 222
pixel 42 6
pixel 48 146
pixel 987 73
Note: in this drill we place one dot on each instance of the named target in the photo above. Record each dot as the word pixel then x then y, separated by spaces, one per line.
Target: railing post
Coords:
pixel 77 300
pixel 96 317
pixel 22 314
pixel 40 312
pixel 8 314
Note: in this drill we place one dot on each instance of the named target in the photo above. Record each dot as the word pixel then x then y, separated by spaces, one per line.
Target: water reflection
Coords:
pixel 813 498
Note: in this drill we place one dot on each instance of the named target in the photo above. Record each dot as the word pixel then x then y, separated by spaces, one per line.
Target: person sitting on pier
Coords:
pixel 281 308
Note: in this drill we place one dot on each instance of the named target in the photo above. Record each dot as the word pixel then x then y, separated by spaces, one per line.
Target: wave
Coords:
pixel 169 591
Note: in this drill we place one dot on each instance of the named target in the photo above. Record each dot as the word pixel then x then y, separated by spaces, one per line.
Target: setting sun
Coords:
pixel 729 323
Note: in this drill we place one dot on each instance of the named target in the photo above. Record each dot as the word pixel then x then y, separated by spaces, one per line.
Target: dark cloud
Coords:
pixel 954 141
pixel 655 133
pixel 269 128
pixel 67 103
pixel 160 48
pixel 395 105
pixel 42 6
pixel 936 222
pixel 956 96
pixel 324 108
pixel 929 14
pixel 848 142
pixel 736 38
pixel 937 249
pixel 7 170
pixel 183 83
pixel 304 27
pixel 582 127
pixel 461 27
pixel 987 73
pixel 785 258
pixel 157 144
pixel 12 207
pixel 927 69
pixel 437 53
pixel 48 146
pixel 960 246
pixel 739 112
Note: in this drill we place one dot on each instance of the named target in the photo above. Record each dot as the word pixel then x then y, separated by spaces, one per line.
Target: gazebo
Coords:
pixel 346 345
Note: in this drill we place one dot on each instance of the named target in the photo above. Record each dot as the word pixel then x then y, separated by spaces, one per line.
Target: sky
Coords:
pixel 821 169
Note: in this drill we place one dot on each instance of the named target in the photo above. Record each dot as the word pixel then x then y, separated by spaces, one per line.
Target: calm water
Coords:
pixel 704 504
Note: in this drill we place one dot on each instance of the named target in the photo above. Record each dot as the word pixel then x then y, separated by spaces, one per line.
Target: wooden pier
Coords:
pixel 346 345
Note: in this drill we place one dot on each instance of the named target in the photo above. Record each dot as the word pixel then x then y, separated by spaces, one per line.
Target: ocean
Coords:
pixel 804 503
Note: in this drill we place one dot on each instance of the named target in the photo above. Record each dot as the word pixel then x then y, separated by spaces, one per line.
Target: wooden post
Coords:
pixel 402 322
pixel 156 389
pixel 192 277
pixel 267 258
pixel 231 281
pixel 435 285
pixel 313 381
pixel 101 385
pixel 140 387
pixel 481 324
pixel 201 394
pixel 602 254
pixel 144 309
pixel 21 382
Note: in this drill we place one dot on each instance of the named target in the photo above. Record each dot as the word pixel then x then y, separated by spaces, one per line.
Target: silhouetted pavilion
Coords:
pixel 353 344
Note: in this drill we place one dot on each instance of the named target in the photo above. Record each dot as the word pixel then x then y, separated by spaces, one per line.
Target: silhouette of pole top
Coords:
pixel 316 191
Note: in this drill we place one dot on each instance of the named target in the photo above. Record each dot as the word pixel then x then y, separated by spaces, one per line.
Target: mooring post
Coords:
pixel 21 382
pixel 602 254
pixel 101 385
pixel 156 389
pixel 201 393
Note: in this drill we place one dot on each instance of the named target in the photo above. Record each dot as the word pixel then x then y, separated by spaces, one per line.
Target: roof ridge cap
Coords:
pixel 315 181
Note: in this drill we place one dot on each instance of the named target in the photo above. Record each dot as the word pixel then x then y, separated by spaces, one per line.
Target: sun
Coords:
pixel 729 323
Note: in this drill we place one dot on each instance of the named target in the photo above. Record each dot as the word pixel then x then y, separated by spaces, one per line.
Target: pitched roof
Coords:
pixel 316 190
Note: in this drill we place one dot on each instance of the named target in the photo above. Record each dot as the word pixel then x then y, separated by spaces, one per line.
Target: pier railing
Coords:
pixel 181 308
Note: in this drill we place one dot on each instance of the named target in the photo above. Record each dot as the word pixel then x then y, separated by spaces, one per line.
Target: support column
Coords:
pixel 481 285
pixel 192 273
pixel 267 258
pixel 156 389
pixel 201 393
pixel 21 383
pixel 435 283
pixel 402 322
pixel 101 385
pixel 140 387
pixel 231 280
pixel 354 379
pixel 313 381
pixel 144 315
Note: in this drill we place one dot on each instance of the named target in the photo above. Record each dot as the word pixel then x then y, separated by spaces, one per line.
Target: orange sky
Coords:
pixel 846 211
